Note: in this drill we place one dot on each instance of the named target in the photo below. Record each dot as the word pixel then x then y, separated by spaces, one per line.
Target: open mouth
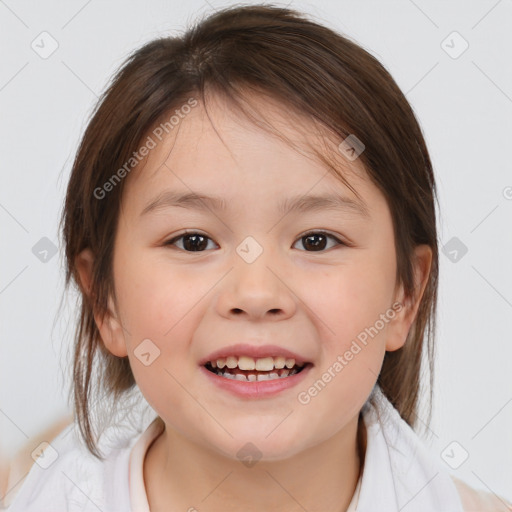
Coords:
pixel 263 370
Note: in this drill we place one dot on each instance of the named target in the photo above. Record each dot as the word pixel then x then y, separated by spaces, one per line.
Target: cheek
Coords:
pixel 347 300
pixel 159 303
pixel 161 319
pixel 155 296
pixel 348 306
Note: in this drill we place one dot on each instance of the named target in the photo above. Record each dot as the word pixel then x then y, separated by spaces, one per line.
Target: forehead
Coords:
pixel 219 149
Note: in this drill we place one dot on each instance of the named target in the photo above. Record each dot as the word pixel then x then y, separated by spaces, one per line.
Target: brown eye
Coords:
pixel 317 241
pixel 192 242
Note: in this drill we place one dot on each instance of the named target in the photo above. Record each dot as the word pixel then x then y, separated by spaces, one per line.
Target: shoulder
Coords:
pixel 16 468
pixel 480 501
pixel 66 476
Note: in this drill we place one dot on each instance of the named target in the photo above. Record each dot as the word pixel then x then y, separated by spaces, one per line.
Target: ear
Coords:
pixel 109 326
pixel 399 326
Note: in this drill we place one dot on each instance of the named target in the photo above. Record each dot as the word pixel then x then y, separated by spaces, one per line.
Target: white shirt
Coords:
pixel 399 475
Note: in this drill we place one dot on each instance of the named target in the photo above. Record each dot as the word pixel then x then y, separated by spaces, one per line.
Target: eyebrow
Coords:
pixel 298 204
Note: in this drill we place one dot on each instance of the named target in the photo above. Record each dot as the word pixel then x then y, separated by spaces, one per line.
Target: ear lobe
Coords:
pixel 399 327
pixel 109 326
pixel 111 331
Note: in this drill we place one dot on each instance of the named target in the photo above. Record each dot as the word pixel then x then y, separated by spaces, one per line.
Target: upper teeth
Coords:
pixel 248 363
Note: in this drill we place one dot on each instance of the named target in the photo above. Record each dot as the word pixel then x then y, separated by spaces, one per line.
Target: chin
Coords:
pixel 257 444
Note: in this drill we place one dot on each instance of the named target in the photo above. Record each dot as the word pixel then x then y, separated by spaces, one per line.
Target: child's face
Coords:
pixel 311 302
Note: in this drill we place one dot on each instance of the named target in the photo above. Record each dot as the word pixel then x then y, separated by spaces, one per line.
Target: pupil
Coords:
pixel 316 245
pixel 194 246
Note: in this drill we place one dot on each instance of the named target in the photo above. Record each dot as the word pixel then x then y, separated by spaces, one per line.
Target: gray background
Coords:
pixel 464 105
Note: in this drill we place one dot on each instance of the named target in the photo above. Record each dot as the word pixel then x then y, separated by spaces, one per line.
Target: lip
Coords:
pixel 254 351
pixel 257 389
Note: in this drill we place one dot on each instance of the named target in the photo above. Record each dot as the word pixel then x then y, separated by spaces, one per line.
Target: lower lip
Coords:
pixel 257 389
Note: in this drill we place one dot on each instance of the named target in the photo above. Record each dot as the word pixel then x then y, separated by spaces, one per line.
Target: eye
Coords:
pixel 192 241
pixel 197 242
pixel 317 240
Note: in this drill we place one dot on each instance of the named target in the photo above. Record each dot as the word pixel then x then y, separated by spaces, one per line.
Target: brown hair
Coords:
pixel 311 70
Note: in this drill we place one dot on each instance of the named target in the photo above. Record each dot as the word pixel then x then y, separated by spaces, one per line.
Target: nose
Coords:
pixel 260 290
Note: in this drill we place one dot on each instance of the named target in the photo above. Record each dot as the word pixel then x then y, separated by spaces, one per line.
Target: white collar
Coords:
pixel 399 473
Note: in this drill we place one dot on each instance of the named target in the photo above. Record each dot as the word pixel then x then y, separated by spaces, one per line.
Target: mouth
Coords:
pixel 248 369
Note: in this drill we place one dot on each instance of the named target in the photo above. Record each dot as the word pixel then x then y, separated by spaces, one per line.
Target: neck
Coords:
pixel 181 475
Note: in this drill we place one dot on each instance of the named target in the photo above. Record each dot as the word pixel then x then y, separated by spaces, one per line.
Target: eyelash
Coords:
pixel 188 233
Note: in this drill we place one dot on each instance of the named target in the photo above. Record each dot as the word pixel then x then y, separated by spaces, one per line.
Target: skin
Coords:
pixel 191 303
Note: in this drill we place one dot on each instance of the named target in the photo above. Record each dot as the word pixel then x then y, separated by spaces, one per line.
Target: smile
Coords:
pixel 255 384
pixel 254 375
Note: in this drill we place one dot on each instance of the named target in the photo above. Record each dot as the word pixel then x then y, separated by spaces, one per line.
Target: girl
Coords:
pixel 250 221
